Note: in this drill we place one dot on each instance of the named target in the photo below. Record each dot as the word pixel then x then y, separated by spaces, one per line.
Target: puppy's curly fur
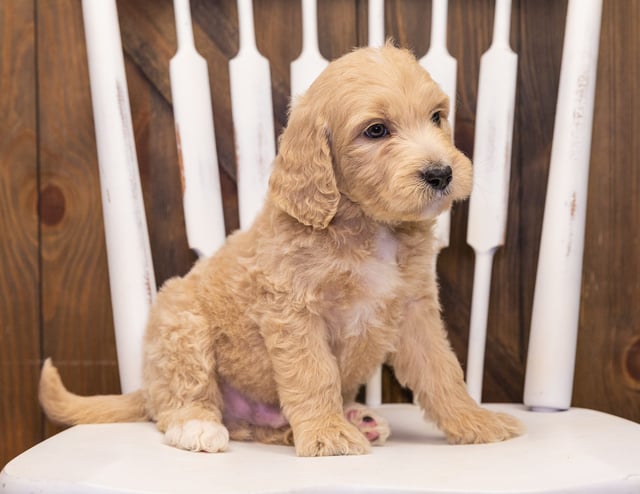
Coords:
pixel 336 275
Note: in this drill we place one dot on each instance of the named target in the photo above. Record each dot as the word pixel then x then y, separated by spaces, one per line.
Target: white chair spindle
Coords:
pixel 443 69
pixel 492 165
pixel 376 22
pixel 131 273
pixel 373 389
pixel 310 63
pixel 195 137
pixel 252 110
pixel 373 396
pixel 556 304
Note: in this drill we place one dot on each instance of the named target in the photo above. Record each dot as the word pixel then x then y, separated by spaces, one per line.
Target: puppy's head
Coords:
pixel 373 127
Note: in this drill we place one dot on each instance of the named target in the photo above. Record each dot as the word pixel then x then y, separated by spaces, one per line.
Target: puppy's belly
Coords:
pixel 238 407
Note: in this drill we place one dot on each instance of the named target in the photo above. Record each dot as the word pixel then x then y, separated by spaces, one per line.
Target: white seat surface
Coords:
pixel 575 451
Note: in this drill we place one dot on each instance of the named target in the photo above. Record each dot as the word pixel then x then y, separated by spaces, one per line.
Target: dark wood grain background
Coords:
pixel 54 289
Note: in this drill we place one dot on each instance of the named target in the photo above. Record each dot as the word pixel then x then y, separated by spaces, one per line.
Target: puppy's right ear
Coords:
pixel 302 182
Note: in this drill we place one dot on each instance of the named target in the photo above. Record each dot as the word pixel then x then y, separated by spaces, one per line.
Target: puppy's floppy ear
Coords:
pixel 302 182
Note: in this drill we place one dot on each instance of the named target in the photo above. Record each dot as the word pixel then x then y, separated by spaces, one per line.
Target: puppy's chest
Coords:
pixel 375 284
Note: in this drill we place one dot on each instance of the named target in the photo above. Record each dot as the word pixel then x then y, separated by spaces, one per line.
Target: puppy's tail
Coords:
pixel 66 408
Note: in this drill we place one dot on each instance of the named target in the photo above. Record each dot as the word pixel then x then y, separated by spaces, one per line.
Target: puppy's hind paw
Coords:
pixel 372 425
pixel 482 426
pixel 198 435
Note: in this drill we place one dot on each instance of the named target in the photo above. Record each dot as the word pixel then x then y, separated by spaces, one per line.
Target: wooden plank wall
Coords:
pixel 54 291
pixel 20 312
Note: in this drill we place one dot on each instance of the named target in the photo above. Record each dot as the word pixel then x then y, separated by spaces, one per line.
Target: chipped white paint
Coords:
pixel 129 256
pixel 490 195
pixel 310 63
pixel 556 304
pixel 443 69
pixel 191 94
pixel 252 110
pixel 376 22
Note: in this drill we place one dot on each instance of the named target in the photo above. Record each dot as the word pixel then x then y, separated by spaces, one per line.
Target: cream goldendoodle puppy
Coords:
pixel 272 336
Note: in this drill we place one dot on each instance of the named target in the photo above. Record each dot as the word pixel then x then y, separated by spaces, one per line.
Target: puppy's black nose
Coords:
pixel 438 176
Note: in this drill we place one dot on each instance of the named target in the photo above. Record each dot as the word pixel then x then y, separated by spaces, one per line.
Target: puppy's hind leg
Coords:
pixel 181 390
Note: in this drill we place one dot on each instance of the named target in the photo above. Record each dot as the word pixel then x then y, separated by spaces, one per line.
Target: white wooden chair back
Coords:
pixel 131 273
pixel 575 451
pixel 558 282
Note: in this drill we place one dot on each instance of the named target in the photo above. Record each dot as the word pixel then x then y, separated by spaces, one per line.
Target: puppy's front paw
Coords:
pixel 374 427
pixel 481 426
pixel 330 437
pixel 198 435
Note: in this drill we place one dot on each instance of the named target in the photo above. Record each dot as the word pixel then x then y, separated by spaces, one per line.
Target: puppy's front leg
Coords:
pixel 425 362
pixel 308 380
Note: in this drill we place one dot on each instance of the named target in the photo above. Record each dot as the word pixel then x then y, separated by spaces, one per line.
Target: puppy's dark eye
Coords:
pixel 436 118
pixel 376 131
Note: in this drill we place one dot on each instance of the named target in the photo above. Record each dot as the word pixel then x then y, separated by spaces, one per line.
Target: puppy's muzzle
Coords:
pixel 438 176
